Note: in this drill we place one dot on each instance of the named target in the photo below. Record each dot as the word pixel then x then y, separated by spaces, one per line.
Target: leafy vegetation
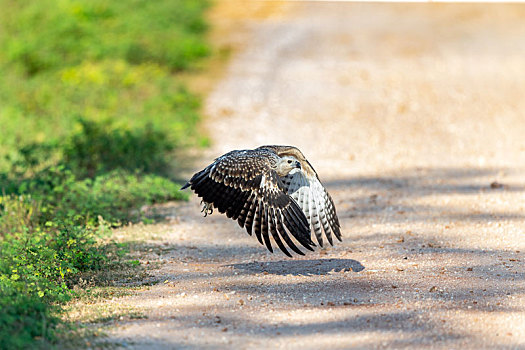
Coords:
pixel 92 109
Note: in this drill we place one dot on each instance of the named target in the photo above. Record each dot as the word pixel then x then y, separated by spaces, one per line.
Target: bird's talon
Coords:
pixel 207 208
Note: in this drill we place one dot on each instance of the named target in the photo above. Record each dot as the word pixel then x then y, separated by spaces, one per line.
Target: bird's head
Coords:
pixel 287 164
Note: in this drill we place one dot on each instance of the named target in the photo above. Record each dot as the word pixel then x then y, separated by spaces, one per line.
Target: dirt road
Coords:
pixel 414 117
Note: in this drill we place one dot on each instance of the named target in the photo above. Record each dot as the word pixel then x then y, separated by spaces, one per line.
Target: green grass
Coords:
pixel 92 111
pixel 98 60
pixel 48 35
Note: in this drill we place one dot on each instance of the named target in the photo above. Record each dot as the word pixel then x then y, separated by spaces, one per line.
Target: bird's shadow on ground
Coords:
pixel 300 267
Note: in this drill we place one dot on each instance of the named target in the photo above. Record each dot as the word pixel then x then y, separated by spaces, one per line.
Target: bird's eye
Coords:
pixel 289 161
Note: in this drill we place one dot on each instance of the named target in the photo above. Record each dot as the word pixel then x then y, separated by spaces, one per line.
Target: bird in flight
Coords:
pixel 270 190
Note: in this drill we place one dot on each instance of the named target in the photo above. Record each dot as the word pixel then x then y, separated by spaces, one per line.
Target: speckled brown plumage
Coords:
pixel 271 190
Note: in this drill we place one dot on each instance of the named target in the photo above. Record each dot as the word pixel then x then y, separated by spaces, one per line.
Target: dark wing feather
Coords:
pixel 257 223
pixel 243 185
pixel 264 227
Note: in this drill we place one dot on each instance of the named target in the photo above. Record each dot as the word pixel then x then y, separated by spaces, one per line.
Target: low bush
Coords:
pixel 99 148
pixel 48 235
pixel 26 318
pixel 35 265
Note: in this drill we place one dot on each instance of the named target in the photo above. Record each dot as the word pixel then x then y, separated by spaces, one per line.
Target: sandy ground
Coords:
pixel 408 113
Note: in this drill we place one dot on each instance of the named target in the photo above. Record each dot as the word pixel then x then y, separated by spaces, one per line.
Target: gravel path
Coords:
pixel 414 117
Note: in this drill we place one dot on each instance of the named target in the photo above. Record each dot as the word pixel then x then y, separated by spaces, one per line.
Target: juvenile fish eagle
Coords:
pixel 269 190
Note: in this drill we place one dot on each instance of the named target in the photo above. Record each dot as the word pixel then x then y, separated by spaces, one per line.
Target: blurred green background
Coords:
pixel 91 111
pixel 61 61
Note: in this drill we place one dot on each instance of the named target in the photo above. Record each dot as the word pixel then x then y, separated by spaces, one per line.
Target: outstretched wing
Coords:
pixel 304 186
pixel 243 185
pixel 316 204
